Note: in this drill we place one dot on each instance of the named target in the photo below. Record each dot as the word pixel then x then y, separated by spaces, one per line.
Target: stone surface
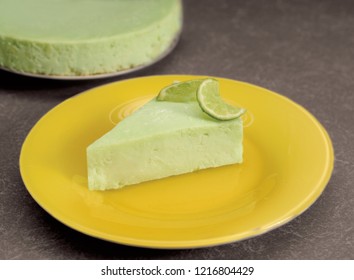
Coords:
pixel 301 49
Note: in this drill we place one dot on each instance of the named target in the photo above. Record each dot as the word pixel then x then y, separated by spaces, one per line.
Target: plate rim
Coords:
pixel 200 243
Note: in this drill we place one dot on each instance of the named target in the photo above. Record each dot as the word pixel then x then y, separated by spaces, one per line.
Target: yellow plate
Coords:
pixel 288 160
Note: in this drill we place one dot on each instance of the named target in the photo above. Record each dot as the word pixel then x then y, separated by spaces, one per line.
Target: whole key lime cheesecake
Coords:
pixel 86 37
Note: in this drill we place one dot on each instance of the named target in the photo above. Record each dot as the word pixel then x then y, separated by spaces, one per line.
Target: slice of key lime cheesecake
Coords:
pixel 78 38
pixel 167 136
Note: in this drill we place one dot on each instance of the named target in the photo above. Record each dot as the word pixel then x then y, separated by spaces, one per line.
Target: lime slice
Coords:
pixel 210 101
pixel 180 91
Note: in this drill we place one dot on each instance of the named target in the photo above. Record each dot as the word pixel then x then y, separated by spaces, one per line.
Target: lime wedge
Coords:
pixel 210 101
pixel 180 92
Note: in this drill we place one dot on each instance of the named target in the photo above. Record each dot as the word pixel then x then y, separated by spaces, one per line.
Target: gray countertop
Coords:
pixel 301 49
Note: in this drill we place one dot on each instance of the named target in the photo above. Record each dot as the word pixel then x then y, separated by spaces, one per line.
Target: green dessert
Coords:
pixel 161 139
pixel 67 38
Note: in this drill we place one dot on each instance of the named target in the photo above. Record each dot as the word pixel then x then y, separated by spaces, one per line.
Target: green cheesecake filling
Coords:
pixel 159 140
pixel 62 37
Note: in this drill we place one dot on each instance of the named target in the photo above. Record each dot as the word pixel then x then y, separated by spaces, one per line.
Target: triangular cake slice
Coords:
pixel 162 139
